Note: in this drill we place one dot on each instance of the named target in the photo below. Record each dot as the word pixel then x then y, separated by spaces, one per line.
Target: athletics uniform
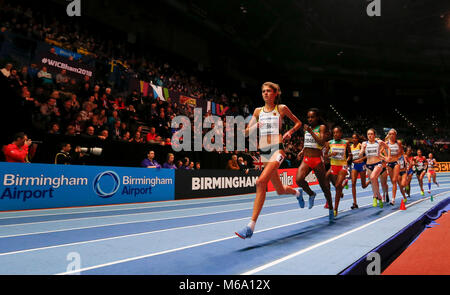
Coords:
pixel 403 165
pixel 372 150
pixel 395 150
pixel 420 164
pixel 339 161
pixel 355 152
pixel 310 142
pixel 270 124
pixel 431 165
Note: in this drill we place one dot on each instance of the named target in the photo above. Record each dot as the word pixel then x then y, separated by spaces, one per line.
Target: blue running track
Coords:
pixel 196 236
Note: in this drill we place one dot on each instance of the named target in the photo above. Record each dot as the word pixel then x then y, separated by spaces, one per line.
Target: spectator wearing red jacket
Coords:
pixel 17 151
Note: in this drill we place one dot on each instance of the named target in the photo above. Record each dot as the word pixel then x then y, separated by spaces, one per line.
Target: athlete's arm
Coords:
pixel 385 147
pixel 349 152
pixel 253 122
pixel 285 111
pixel 322 131
pixel 363 149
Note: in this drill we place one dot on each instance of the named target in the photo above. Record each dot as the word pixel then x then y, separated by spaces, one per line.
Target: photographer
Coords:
pixel 17 151
pixel 65 156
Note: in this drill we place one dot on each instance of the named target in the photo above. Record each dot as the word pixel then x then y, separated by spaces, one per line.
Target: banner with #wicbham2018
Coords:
pixel 26 186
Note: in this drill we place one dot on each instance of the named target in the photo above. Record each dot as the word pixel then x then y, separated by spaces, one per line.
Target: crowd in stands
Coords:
pixel 104 107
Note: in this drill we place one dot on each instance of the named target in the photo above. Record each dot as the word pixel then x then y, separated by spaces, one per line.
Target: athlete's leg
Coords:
pixel 302 172
pixel 354 182
pixel 339 185
pixel 320 173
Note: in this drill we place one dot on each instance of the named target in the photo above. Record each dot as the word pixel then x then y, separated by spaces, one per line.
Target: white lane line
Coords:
pixel 279 203
pixel 170 229
pixel 149 205
pixel 192 246
pixel 275 262
pixel 138 206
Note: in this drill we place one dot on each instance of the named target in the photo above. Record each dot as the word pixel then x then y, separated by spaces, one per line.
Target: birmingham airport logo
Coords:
pixel 106 184
pixel 213 139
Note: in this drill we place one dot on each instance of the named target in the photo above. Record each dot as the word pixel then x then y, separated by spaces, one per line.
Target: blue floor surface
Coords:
pixel 197 236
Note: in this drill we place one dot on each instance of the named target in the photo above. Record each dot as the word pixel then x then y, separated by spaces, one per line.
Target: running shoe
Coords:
pixel 326 205
pixel 300 200
pixel 331 216
pixel 245 233
pixel 386 198
pixel 374 204
pixel 311 201
pixel 345 183
pixel 354 206
pixel 335 212
pixel 380 203
pixel 437 184
pixel 392 203
pixel 422 193
pixel 404 200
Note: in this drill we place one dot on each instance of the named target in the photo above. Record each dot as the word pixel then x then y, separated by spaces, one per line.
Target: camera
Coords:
pixel 96 151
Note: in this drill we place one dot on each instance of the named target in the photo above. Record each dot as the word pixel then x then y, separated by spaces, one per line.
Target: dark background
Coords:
pixel 383 71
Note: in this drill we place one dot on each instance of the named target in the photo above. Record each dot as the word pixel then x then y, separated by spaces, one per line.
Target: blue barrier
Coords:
pixel 38 186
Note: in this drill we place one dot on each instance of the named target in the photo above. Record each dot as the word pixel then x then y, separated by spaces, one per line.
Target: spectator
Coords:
pixel 62 80
pixel 90 132
pixel 242 165
pixel 70 130
pixel 54 129
pixel 113 118
pixel 45 77
pixel 116 132
pixel 150 161
pixel 151 136
pixel 191 166
pixel 14 79
pixel 25 77
pixel 72 86
pixel 137 138
pixel 104 134
pixel 170 162
pixel 78 124
pixel 186 163
pixel 17 151
pixel 50 111
pixel 67 113
pixel 197 165
pixel 179 164
pixel 162 125
pixel 168 142
pixel 75 102
pixel 86 114
pixel 233 163
pixel 126 136
pixel 6 71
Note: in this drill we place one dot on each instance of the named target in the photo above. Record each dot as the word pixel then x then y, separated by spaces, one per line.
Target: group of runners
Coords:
pixel 336 161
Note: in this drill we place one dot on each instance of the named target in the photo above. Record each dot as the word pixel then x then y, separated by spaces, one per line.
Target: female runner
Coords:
pixel 358 167
pixel 409 158
pixel 393 167
pixel 373 148
pixel 315 138
pixel 268 119
pixel 338 150
pixel 431 173
pixel 421 169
